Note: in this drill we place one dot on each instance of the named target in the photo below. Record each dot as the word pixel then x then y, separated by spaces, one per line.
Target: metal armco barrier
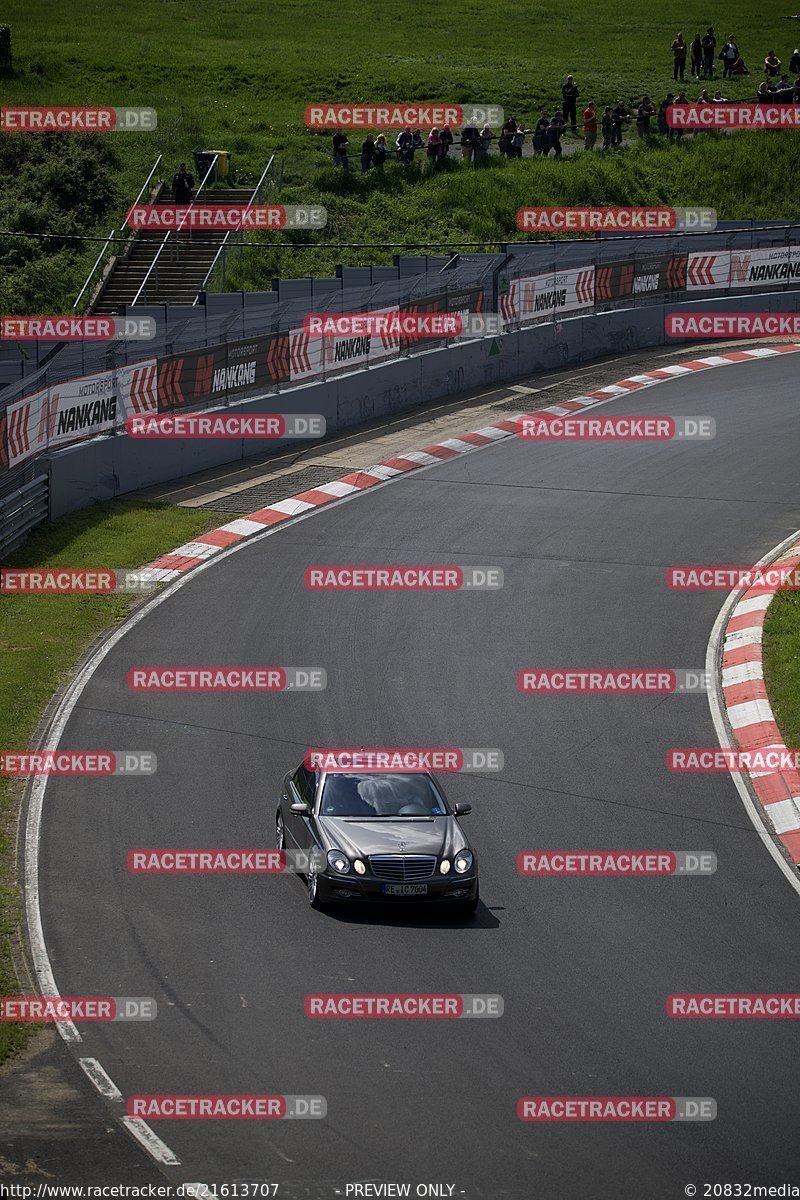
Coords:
pixel 530 286
pixel 20 511
pixel 103 468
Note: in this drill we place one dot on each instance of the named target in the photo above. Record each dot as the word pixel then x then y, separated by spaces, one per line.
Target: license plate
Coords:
pixel 405 889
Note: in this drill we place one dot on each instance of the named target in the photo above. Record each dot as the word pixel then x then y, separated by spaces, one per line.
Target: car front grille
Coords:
pixel 402 868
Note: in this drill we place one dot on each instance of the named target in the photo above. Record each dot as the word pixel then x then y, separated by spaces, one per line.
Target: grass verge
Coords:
pixel 238 75
pixel 41 639
pixel 782 663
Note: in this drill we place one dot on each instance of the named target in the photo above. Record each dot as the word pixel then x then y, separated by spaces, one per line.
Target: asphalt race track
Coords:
pixel 584 533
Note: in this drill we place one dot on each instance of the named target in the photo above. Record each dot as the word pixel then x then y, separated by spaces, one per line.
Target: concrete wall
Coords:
pixel 113 466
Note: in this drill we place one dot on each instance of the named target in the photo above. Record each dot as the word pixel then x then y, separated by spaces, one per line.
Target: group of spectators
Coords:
pixel 549 129
pixel 702 55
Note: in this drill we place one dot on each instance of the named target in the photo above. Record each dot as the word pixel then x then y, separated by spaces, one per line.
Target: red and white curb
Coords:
pixel 747 707
pixel 206 545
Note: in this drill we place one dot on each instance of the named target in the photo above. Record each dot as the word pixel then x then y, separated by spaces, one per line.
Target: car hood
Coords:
pixel 437 835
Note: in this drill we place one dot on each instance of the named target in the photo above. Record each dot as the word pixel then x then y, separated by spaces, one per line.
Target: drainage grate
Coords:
pixel 283 486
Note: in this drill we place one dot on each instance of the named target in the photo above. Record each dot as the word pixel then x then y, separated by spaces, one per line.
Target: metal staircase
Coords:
pixel 165 268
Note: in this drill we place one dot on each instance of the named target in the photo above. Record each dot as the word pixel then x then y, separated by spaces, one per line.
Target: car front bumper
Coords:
pixel 440 888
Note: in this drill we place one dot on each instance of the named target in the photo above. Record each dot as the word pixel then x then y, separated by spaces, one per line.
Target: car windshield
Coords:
pixel 371 796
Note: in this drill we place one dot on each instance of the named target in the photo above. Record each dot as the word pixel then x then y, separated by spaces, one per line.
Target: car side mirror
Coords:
pixel 463 810
pixel 299 808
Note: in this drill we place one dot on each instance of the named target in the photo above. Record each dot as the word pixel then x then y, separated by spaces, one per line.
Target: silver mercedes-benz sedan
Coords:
pixel 377 836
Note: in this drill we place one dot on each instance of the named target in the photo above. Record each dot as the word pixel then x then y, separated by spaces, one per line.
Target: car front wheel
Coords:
pixel 471 906
pixel 312 887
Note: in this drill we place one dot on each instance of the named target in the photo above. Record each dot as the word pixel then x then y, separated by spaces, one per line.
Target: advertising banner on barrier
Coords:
pixel 642 276
pixel 202 376
pixel 66 412
pixel 137 389
pixel 533 296
pixel 314 354
pixel 774 267
pixel 707 272
pixel 462 302
pixel 186 379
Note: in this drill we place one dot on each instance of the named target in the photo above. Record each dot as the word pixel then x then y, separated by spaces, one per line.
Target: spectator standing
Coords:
pixel 484 143
pixel 417 141
pixel 696 55
pixel 619 113
pixel 678 57
pixel 772 65
pixel 380 152
pixel 554 132
pixel 469 142
pixel 794 63
pixel 643 114
pixel 540 134
pixel 709 46
pixel 507 131
pixel 729 55
pixel 405 146
pixel 367 154
pixel 607 127
pixel 433 148
pixel 590 125
pixel 570 94
pixel 681 98
pixel 661 117
pixel 182 185
pixel 518 141
pixel 340 144
pixel 445 141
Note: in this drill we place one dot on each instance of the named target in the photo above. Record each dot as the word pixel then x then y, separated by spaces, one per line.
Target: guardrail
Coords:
pixel 219 264
pixel 592 273
pixel 112 237
pixel 249 373
pixel 21 510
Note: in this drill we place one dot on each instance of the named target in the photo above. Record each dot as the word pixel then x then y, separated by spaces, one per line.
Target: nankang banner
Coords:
pixel 642 276
pixel 534 296
pixel 312 354
pixel 64 413
pixel 775 267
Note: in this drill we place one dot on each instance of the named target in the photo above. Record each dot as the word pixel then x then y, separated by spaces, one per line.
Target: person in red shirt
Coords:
pixel 589 125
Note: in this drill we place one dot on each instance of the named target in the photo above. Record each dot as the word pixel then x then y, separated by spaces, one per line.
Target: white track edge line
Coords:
pixel 100 1078
pixel 149 1139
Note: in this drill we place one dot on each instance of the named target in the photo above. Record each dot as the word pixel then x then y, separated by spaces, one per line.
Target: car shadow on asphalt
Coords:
pixel 418 916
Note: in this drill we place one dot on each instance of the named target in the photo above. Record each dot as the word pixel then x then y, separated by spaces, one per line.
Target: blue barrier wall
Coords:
pixel 112 466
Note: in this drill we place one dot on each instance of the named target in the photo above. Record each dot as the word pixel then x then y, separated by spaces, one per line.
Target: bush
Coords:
pixel 60 184
pixel 5 49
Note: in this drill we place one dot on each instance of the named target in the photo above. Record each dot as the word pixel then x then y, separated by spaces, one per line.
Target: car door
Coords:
pixel 302 786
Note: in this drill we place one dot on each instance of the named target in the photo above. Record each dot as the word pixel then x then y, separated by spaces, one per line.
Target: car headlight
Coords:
pixel 359 866
pixel 338 862
pixel 463 861
pixel 444 865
